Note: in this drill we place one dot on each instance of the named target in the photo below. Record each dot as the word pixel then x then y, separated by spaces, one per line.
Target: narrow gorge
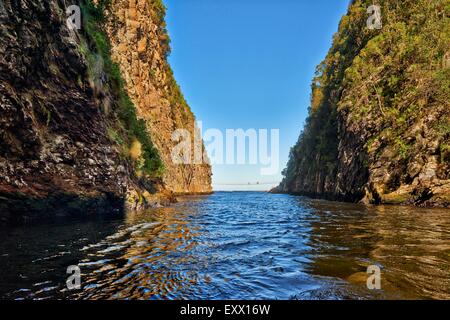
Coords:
pixel 106 183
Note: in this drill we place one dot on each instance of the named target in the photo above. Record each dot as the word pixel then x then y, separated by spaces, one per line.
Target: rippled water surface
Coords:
pixel 239 245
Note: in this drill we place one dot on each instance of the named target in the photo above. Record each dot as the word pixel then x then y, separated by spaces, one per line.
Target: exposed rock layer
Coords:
pixel 56 151
pixel 139 45
pixel 379 124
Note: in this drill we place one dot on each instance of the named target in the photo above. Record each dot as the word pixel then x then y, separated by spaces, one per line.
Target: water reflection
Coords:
pixel 149 257
pixel 412 245
pixel 235 246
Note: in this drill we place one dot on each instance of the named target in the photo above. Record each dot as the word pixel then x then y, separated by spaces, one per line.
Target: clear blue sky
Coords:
pixel 249 64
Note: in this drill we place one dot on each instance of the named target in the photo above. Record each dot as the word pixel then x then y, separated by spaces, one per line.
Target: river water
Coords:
pixel 234 245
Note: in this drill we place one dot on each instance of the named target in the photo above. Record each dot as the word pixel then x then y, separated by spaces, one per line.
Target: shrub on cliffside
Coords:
pixel 380 110
pixel 129 123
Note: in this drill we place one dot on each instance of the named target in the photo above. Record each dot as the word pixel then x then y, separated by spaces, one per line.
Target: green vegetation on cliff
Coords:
pixel 98 55
pixel 379 117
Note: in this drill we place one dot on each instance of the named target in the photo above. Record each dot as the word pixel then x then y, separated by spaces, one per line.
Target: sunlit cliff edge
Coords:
pixel 87 115
pixel 378 129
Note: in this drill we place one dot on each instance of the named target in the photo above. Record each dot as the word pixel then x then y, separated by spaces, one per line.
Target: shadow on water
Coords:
pixel 411 245
pixel 234 246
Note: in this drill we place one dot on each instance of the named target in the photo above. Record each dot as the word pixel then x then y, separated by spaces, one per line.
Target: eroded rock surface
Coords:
pixel 379 123
pixel 57 155
pixel 140 45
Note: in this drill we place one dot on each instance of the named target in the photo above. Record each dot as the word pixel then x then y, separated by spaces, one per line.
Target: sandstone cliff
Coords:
pixel 379 124
pixel 86 115
pixel 140 45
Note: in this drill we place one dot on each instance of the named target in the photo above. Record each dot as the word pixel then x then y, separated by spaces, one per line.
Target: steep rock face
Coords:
pixel 140 46
pixel 65 144
pixel 379 123
pixel 53 134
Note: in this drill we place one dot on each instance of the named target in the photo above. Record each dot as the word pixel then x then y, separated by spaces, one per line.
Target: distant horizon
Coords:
pixel 253 73
pixel 216 191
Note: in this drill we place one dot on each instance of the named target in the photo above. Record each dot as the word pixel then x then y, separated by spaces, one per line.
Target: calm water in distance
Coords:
pixel 234 245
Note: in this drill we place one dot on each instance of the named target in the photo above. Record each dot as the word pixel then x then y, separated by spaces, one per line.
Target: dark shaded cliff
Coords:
pixel 378 129
pixel 71 138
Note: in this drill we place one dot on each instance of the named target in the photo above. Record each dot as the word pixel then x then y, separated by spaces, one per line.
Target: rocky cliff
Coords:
pixel 140 45
pixel 86 115
pixel 379 121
